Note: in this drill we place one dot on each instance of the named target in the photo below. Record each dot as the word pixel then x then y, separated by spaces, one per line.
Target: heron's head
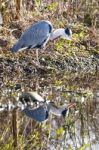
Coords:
pixel 67 34
pixel 64 112
pixel 66 108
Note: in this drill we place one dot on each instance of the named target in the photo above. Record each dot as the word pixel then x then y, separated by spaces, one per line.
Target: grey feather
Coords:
pixel 35 36
pixel 39 114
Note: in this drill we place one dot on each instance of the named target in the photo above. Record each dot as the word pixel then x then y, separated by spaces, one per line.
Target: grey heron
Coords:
pixel 42 112
pixel 38 34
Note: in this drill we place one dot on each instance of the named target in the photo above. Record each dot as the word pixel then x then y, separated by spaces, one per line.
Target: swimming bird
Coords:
pixel 38 34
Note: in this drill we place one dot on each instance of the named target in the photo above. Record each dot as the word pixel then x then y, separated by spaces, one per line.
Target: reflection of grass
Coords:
pixel 84 147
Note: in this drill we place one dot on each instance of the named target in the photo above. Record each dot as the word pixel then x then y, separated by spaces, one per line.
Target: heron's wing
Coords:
pixel 39 114
pixel 34 36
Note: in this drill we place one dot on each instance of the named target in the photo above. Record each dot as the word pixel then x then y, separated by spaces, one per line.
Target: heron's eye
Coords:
pixel 64 112
pixel 67 31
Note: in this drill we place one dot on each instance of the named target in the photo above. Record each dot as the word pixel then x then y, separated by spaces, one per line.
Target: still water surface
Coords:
pixel 78 131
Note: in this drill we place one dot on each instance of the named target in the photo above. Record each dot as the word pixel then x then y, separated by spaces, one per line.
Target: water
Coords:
pixel 80 129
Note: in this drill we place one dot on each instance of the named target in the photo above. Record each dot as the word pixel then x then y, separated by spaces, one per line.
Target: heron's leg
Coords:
pixel 37 57
pixel 44 44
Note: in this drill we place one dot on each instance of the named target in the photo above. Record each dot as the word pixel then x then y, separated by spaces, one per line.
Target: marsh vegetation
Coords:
pixel 70 73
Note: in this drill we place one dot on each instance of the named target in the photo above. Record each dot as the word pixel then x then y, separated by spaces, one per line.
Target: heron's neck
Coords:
pixel 55 110
pixel 57 33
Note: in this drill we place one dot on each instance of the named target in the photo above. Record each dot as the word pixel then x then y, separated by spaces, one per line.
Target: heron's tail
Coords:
pixel 17 46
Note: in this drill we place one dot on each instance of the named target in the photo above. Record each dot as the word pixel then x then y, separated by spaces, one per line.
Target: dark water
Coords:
pixel 78 131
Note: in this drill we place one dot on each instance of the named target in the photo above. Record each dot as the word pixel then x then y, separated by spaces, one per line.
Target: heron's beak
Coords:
pixel 69 38
pixel 74 40
pixel 71 105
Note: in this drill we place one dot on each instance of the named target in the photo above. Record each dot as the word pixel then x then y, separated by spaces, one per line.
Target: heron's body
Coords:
pixel 42 112
pixel 34 37
pixel 39 114
pixel 37 35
